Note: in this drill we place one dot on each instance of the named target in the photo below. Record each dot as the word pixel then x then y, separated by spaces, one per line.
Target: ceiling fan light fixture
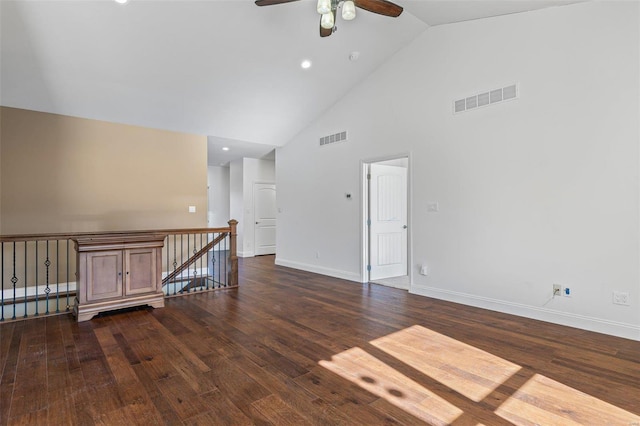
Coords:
pixel 327 21
pixel 348 10
pixel 324 7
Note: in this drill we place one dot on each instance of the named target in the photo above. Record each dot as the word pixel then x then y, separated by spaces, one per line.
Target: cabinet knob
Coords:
pixel 119 274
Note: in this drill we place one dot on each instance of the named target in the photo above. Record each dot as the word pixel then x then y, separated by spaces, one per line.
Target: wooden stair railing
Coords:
pixel 39 271
pixel 180 269
pixel 232 272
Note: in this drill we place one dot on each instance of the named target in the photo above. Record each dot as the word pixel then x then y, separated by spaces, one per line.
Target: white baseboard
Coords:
pixel 350 276
pixel 246 254
pixel 39 290
pixel 628 331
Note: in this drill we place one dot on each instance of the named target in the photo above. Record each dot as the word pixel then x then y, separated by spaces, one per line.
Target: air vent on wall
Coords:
pixel 336 137
pixel 485 98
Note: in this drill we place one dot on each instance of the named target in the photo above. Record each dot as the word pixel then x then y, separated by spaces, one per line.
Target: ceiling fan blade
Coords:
pixel 327 32
pixel 272 2
pixel 381 7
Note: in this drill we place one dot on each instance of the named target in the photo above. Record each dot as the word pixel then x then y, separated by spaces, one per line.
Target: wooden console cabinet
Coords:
pixel 117 271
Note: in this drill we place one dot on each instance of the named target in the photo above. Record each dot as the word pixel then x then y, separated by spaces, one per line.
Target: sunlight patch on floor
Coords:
pixel 375 376
pixel 552 403
pixel 470 371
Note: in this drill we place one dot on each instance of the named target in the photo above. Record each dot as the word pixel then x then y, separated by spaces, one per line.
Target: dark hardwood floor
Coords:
pixel 295 348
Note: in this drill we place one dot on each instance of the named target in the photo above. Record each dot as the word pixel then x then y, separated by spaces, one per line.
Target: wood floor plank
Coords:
pixel 236 385
pixel 277 412
pixel 222 412
pixel 30 390
pixel 62 411
pixel 11 348
pixel 164 409
pixel 186 403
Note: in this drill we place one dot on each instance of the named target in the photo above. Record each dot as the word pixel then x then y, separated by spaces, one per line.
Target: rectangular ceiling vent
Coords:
pixel 488 97
pixel 336 137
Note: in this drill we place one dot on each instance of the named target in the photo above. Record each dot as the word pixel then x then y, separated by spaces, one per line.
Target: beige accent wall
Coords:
pixel 67 174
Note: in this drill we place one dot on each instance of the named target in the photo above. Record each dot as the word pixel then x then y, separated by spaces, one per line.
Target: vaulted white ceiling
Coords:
pixel 222 68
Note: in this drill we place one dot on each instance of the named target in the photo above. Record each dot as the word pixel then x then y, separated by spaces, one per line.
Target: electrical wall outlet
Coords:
pixel 557 289
pixel 621 298
pixel 424 270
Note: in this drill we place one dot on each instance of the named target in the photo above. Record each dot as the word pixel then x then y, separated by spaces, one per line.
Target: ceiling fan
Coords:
pixel 327 9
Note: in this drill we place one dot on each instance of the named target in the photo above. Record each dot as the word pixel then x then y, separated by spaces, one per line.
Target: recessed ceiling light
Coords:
pixel 305 64
pixel 122 1
pixel 225 148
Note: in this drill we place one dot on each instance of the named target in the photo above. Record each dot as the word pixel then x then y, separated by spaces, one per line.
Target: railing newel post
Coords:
pixel 233 257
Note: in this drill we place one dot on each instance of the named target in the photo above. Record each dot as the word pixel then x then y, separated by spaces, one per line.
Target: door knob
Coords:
pixel 257 223
pixel 404 227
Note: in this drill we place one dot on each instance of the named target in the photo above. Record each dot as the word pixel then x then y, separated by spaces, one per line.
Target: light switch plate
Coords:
pixel 192 209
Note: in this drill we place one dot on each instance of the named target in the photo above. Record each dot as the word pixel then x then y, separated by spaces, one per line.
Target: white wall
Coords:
pixel 236 209
pixel 536 191
pixel 219 196
pixel 244 173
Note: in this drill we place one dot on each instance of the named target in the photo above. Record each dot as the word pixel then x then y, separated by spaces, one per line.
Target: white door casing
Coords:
pixel 388 218
pixel 264 208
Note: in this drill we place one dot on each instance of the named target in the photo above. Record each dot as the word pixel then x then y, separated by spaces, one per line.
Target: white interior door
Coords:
pixel 264 207
pixel 388 218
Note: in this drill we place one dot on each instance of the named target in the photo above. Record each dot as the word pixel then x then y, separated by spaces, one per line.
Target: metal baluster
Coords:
pixel 226 264
pixel 217 262
pixel 2 290
pixel 182 261
pixel 212 273
pixel 36 314
pixel 217 265
pixel 167 246
pixel 57 276
pixel 175 263
pixel 14 280
pixel 47 290
pixel 195 264
pixel 68 305
pixel 203 275
pixel 25 280
pixel 182 273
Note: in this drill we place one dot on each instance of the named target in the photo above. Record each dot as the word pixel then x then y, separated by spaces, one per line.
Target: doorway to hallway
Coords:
pixel 386 242
pixel 264 200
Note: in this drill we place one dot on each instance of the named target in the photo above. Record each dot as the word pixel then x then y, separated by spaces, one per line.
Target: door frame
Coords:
pixel 364 214
pixel 253 208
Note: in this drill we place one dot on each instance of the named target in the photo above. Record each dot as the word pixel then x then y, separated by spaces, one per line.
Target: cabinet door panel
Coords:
pixel 104 275
pixel 141 271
